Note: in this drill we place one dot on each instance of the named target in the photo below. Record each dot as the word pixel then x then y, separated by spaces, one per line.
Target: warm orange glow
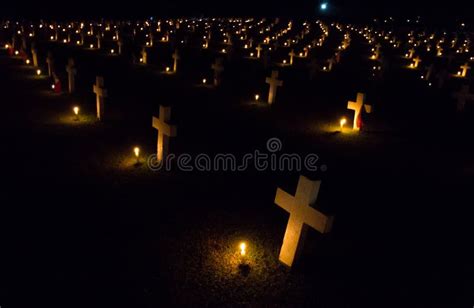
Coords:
pixel 167 69
pixel 16 52
pixel 76 110
pixel 204 81
pixel 257 97
pixel 243 248
pixel 136 150
pixel 91 46
pixel 27 61
pixel 38 72
pixel 342 122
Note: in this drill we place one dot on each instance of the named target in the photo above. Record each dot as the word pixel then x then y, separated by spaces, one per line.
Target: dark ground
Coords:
pixel 81 226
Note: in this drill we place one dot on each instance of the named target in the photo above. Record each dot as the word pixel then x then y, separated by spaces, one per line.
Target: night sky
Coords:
pixel 344 9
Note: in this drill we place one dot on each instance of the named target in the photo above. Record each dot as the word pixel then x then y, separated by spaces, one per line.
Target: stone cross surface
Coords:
pixel 165 131
pixel 292 56
pixel 71 73
pixel 50 62
pixel 175 62
pixel 144 56
pixel 357 107
pixel 274 84
pixel 34 54
pixel 101 94
pixel 302 215
pixel 464 69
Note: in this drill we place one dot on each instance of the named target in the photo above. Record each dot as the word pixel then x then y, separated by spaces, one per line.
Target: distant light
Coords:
pixel 204 81
pixel 76 110
pixel 38 72
pixel 324 6
pixel 257 97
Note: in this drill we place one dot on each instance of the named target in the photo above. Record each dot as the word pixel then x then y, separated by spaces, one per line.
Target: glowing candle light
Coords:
pixel 91 46
pixel 27 61
pixel 76 113
pixel 342 122
pixel 167 69
pixel 16 52
pixel 204 81
pixel 243 249
pixel 257 97
pixel 136 151
pixel 38 72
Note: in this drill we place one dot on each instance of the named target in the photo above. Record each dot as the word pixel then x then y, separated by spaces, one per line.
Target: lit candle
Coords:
pixel 136 150
pixel 342 122
pixel 76 113
pixel 38 72
pixel 243 248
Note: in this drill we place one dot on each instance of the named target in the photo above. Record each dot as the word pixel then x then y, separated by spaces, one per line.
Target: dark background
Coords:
pixel 438 11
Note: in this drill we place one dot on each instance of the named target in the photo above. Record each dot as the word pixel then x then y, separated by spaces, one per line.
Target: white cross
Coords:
pixel 119 44
pixel 50 62
pixel 292 55
pixel 164 132
pixel 330 62
pixel 357 107
pixel 34 54
pixel 463 96
pixel 301 216
pixel 259 50
pixel 100 93
pixel 218 68
pixel 416 62
pixel 144 56
pixel 71 72
pixel 175 58
pixel 99 37
pixel 274 84
pixel 465 68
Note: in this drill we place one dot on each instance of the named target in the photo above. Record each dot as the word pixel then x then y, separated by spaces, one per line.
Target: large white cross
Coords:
pixel 463 96
pixel 274 84
pixel 101 94
pixel 71 73
pixel 164 132
pixel 357 107
pixel 301 216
